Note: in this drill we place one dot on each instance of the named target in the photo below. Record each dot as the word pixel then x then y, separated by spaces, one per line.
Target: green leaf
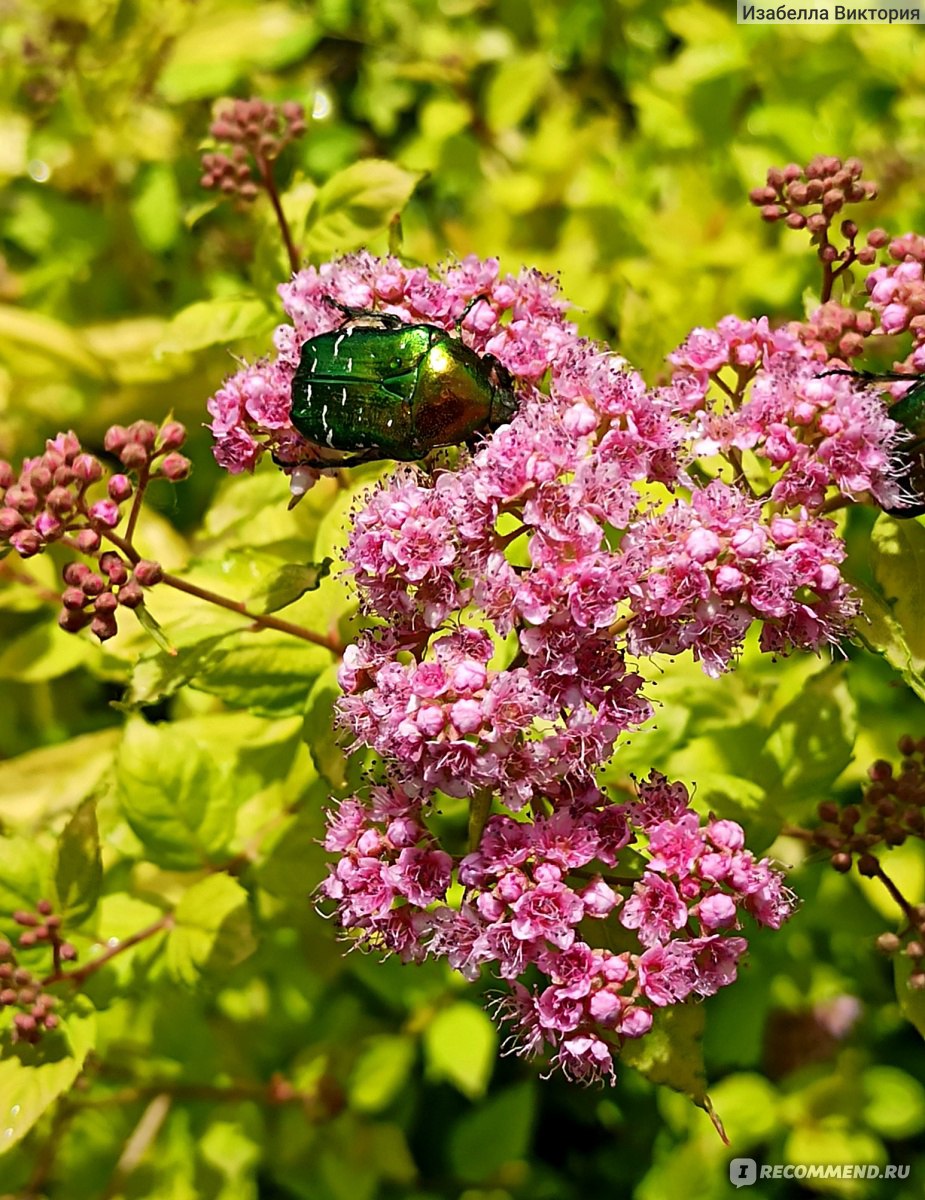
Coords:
pixel 911 1000
pixel 355 204
pixel 212 929
pixel 269 674
pixel 33 1077
pixel 496 1133
pixel 894 1102
pixel 44 652
pixel 881 632
pixel 216 323
pixel 897 550
pixel 36 785
pixel 812 738
pixel 78 869
pixel 460 1045
pixel 289 584
pixel 24 874
pixel 671 1053
pixel 156 209
pixel 51 338
pixel 515 87
pixel 173 795
pixel 319 731
pixel 225 43
pixel 380 1072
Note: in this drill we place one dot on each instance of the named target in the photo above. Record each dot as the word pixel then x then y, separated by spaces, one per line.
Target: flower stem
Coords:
pixel 80 974
pixel 265 620
pixel 266 174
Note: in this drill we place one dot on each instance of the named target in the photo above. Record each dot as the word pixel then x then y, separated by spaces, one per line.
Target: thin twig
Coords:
pixel 80 974
pixel 139 1143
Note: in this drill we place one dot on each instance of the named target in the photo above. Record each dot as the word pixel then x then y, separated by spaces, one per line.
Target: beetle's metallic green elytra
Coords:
pixel 376 388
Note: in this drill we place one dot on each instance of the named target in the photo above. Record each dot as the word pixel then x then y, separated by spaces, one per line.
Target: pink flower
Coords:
pixel 655 909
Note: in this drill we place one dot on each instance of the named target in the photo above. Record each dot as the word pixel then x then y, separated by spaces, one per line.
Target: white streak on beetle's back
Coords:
pixel 343 397
pixel 324 425
pixel 337 342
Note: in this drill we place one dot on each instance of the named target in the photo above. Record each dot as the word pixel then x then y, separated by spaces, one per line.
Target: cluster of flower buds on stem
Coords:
pixel 257 133
pixel 891 810
pixel 21 988
pixel 69 497
pixel 811 198
pixel 92 597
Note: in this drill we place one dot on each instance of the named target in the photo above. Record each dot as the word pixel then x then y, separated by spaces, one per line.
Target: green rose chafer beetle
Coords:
pixel 379 388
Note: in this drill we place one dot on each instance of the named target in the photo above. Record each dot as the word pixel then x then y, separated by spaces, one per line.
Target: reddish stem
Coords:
pixel 80 974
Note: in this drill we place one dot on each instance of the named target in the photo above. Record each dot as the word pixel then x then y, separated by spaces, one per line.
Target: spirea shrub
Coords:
pixel 511 598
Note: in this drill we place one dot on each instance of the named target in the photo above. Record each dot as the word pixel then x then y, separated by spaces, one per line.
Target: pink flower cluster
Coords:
pixel 528 893
pixel 897 295
pixel 512 596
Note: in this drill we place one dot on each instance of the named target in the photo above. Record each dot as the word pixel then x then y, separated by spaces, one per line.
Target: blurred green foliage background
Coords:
pixel 609 141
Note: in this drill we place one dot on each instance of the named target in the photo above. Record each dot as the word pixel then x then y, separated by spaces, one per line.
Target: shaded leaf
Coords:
pixel 212 930
pixel 33 1077
pixel 173 795
pixel 289 584
pixel 460 1045
pixel 216 323
pixel 78 869
pixel 355 204
pixel 497 1132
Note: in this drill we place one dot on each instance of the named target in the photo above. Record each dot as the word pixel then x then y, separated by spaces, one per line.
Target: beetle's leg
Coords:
pixel 369 315
pixel 468 309
pixel 872 376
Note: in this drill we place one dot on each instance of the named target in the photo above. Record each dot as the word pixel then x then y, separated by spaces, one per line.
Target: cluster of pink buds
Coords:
pixel 55 498
pixel 20 988
pixel 258 132
pixel 811 197
pixel 528 893
pixel 92 597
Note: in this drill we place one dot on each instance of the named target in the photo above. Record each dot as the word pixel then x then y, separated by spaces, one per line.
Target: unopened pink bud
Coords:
pixel 7 474
pixel 119 488
pixel 130 594
pixel 40 479
pixel 134 456
pixel 26 542
pixel 115 438
pixel 72 620
pixel 87 468
pixel 144 432
pixel 702 545
pixel 148 573
pixel 73 598
pixel 105 603
pixel 60 500
pixel 10 521
pixel 717 911
pixel 103 626
pixel 88 540
pixel 48 525
pixel 75 573
pixel 172 436
pixel 466 715
pixel 113 567
pixel 106 513
pixel 430 720
pixel 93 584
pixel 175 467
